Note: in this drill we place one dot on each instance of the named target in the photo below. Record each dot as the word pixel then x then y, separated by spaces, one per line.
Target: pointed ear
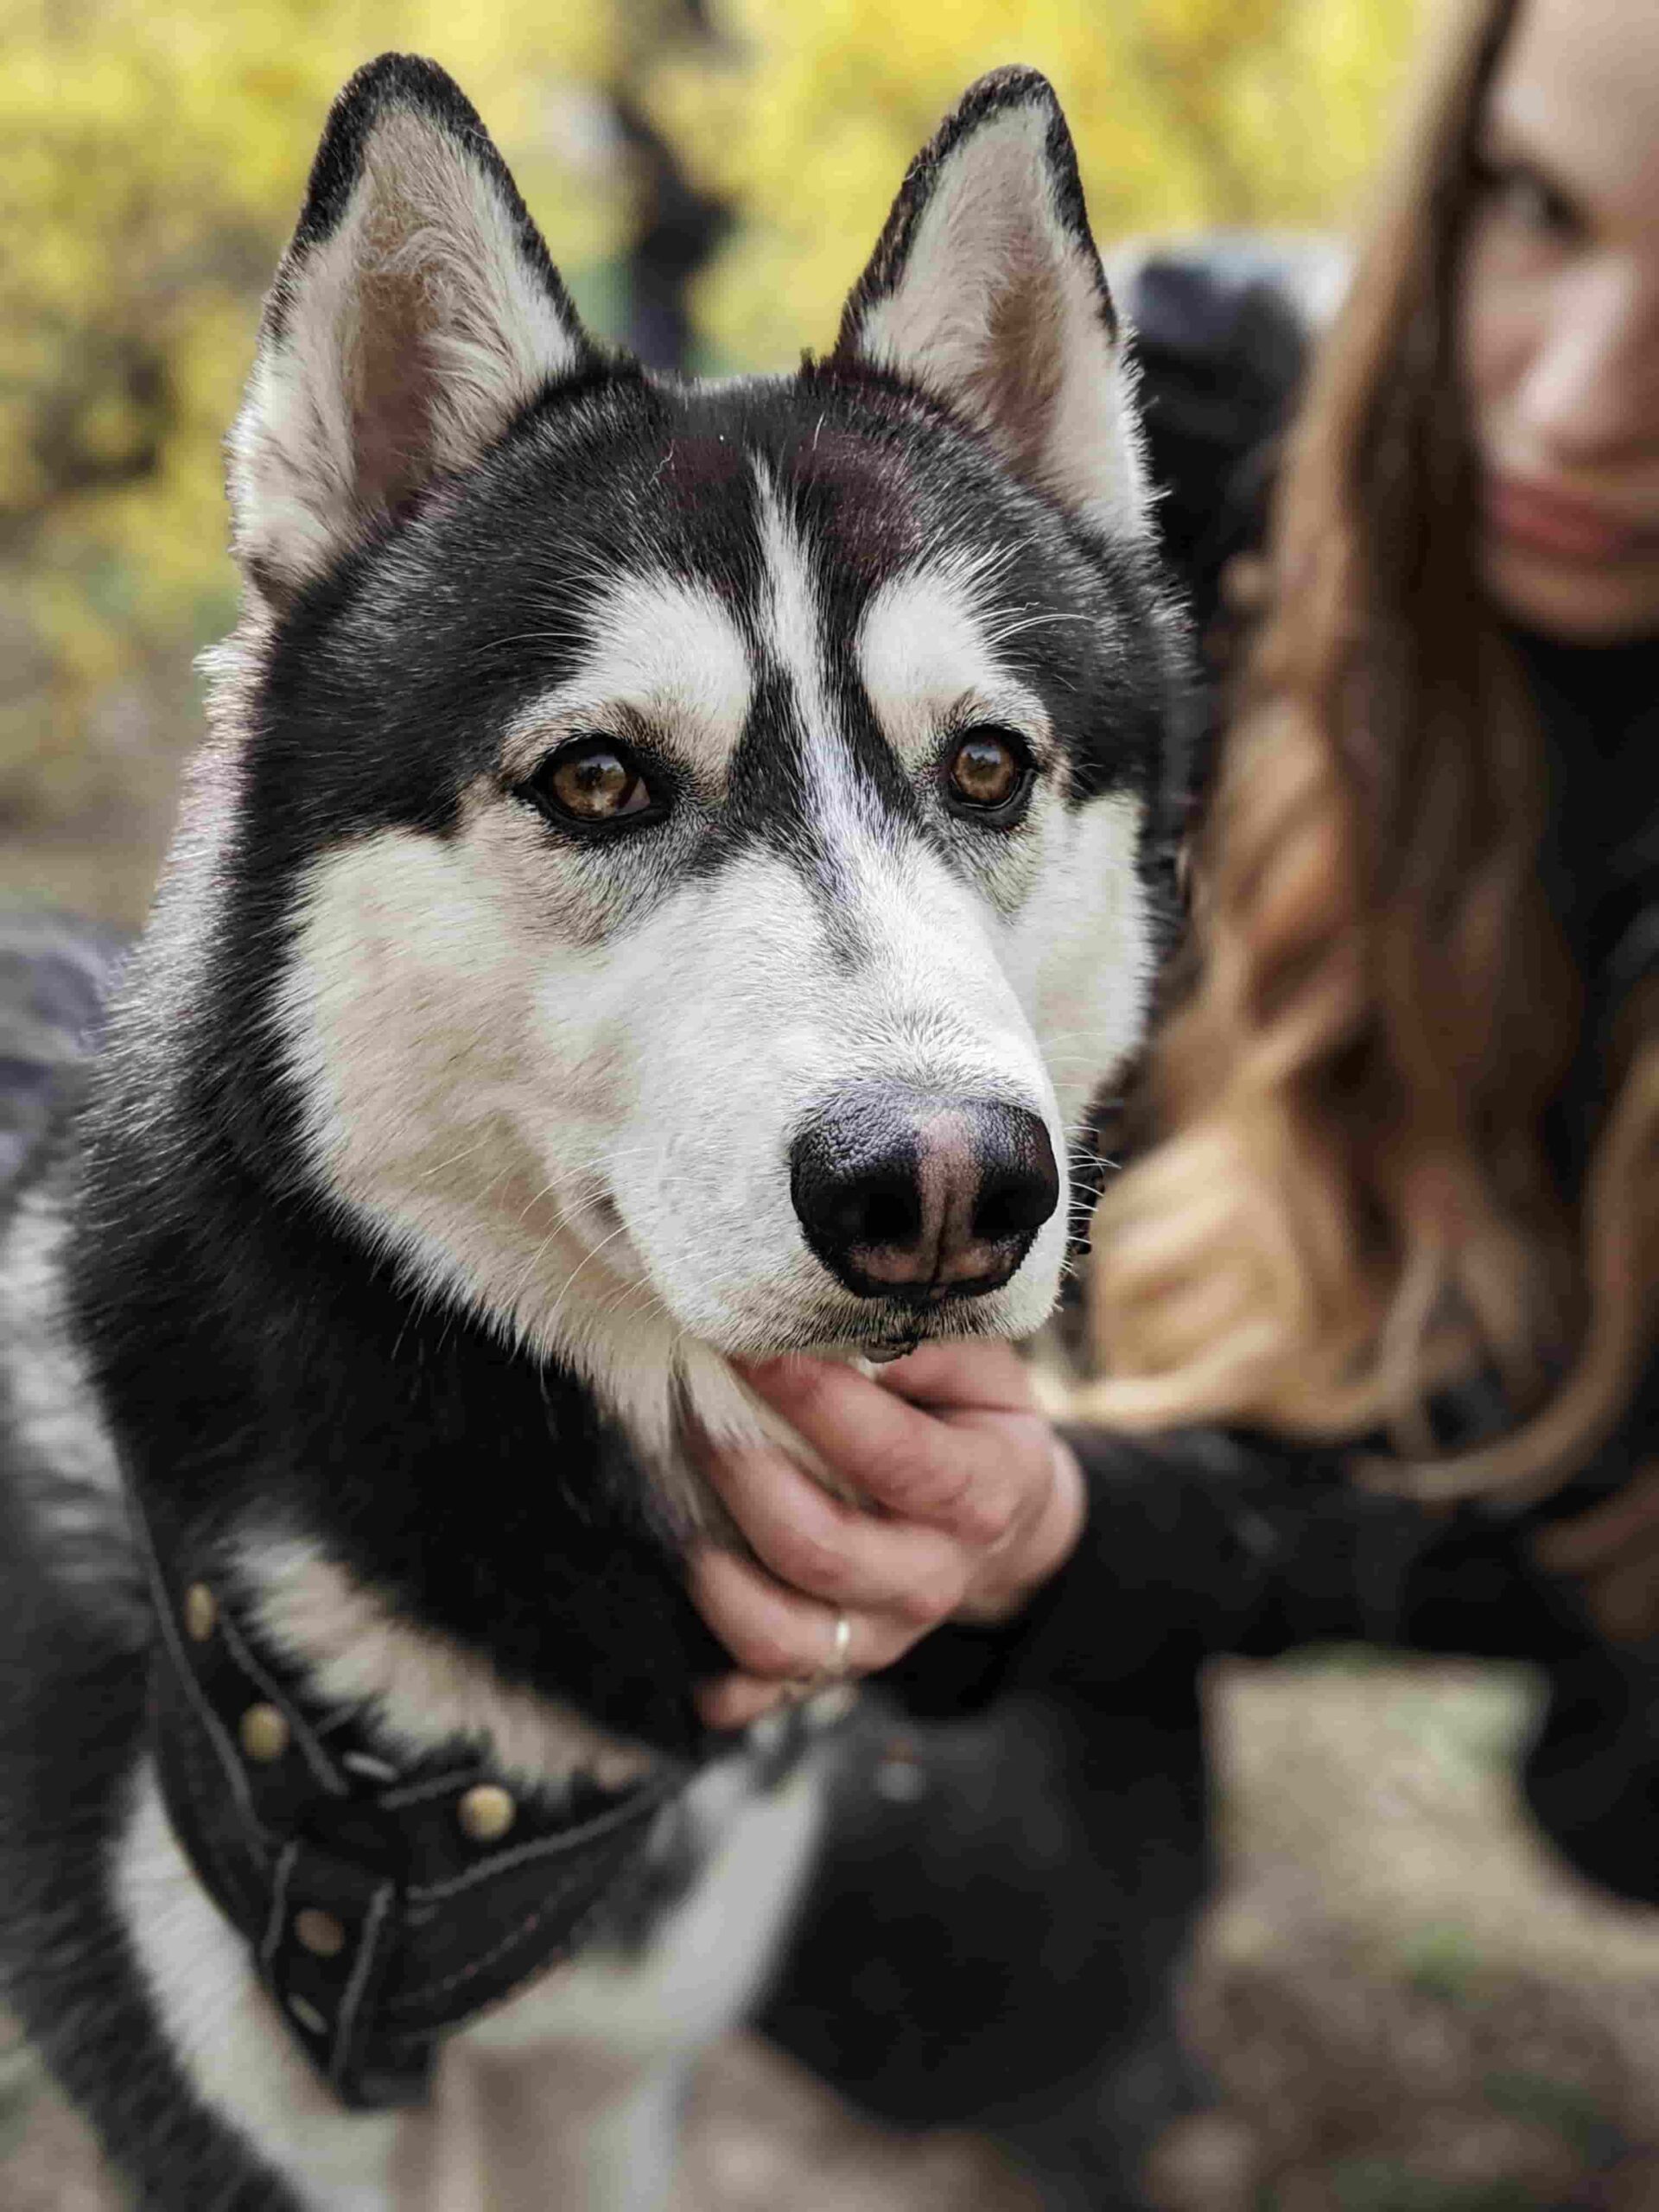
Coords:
pixel 415 314
pixel 986 291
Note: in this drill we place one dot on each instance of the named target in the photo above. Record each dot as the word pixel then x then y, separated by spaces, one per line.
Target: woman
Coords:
pixel 1402 1230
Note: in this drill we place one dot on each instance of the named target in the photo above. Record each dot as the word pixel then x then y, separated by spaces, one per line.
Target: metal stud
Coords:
pixel 200 1612
pixel 486 1812
pixel 319 1933
pixel 265 1733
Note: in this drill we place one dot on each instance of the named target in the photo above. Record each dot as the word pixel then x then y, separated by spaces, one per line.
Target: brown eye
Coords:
pixel 988 771
pixel 592 783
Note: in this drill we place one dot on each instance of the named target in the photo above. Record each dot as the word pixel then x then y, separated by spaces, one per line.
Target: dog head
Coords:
pixel 697 832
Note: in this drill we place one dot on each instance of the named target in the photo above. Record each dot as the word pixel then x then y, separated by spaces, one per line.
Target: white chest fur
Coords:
pixel 564 2095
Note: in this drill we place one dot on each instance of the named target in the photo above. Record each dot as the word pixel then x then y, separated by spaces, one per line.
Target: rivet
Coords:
pixel 486 1812
pixel 319 1933
pixel 901 1780
pixel 264 1732
pixel 200 1612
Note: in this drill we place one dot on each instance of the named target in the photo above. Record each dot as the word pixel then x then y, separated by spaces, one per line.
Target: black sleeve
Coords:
pixel 1200 1541
pixel 1175 1563
pixel 1591 1775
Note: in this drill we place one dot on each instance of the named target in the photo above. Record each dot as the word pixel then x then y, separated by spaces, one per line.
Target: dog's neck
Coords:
pixel 269 1384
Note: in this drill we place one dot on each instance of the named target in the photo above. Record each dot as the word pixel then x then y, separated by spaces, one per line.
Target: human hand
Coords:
pixel 973 1502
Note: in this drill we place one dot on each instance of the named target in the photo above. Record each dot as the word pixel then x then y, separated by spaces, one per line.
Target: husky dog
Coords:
pixel 671 868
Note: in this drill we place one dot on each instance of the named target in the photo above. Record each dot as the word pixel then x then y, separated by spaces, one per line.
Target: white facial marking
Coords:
pixel 664 649
pixel 794 631
pixel 794 625
pixel 927 654
pixel 1082 955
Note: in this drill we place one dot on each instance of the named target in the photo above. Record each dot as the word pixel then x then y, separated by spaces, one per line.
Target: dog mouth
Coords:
pixel 882 1338
pixel 828 1332
pixel 886 1350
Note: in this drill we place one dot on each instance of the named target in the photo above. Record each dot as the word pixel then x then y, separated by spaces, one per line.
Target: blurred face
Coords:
pixel 1559 321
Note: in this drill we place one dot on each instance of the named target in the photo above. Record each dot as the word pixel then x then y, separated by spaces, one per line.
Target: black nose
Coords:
pixel 906 1195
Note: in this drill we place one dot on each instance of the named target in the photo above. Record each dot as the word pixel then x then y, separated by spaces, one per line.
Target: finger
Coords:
pixel 780 1636
pixel 1009 1576
pixel 986 1375
pixel 952 1475
pixel 1573 1547
pixel 816 1544
pixel 1625 1602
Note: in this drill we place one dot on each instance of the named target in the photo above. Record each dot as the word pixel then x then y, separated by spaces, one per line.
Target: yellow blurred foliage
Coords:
pixel 156 155
pixel 1185 112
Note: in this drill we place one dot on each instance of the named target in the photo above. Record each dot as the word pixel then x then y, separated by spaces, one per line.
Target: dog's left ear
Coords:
pixel 986 291
pixel 415 316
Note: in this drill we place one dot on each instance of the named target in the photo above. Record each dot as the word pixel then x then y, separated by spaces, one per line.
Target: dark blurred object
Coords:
pixel 115 378
pixel 992 1935
pixel 676 228
pixel 55 974
pixel 1224 324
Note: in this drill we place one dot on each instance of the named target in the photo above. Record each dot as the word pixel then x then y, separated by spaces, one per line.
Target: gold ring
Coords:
pixel 800 1688
pixel 841 1648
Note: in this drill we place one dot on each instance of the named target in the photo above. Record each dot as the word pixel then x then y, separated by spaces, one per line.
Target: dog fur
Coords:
pixel 433 1168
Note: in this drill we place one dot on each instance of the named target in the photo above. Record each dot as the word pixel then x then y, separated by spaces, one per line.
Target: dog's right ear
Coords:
pixel 415 315
pixel 986 291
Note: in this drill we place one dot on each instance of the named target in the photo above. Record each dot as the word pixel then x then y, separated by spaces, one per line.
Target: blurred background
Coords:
pixel 1406 2007
pixel 710 176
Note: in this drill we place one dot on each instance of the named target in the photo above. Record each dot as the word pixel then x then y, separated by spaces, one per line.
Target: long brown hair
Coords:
pixel 1351 1203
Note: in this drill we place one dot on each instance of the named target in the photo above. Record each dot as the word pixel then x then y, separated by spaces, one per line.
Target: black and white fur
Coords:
pixel 435 1167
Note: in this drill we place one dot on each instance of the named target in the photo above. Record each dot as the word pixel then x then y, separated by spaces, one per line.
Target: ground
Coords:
pixel 1409 2007
pixel 1410 2004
